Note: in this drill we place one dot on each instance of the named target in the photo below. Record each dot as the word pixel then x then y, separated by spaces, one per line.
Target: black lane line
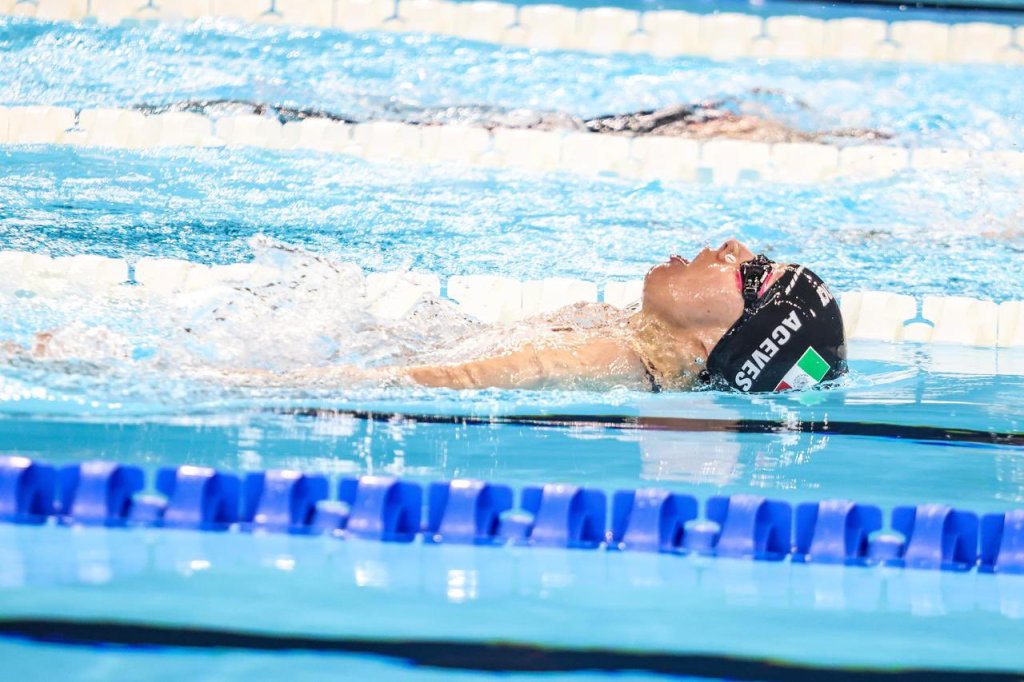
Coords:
pixel 461 655
pixel 687 424
pixel 952 5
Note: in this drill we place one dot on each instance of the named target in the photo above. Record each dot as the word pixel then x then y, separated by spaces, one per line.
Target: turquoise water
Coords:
pixel 699 453
pixel 819 615
pixel 366 74
pixel 140 392
pixel 923 233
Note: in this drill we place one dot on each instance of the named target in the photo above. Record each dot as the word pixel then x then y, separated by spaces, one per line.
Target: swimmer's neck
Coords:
pixel 676 354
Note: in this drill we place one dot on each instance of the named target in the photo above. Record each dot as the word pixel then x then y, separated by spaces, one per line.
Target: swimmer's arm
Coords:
pixel 536 367
pixel 511 371
pixel 521 369
pixel 529 367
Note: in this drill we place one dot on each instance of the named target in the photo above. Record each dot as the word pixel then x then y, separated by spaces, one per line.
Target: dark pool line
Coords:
pixel 1003 6
pixel 454 654
pixel 691 425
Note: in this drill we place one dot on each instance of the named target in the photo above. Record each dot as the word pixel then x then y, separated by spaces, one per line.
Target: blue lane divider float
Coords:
pixel 564 516
pixel 98 493
pixel 834 531
pixel 651 520
pixel 388 509
pixel 382 508
pixel 751 526
pixel 1002 542
pixel 281 501
pixel 196 497
pixel 938 536
pixel 466 512
pixel 26 490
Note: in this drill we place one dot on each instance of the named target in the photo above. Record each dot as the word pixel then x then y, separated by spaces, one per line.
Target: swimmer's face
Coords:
pixel 700 294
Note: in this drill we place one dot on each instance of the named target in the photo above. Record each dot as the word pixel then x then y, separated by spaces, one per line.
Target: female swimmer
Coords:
pixel 727 318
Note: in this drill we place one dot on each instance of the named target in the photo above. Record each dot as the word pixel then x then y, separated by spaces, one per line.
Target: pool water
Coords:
pixel 912 424
pixel 909 233
pixel 372 74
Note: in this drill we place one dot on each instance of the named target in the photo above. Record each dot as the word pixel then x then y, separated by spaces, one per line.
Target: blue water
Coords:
pixel 909 233
pixel 822 615
pixel 917 233
pixel 359 75
pixel 260 432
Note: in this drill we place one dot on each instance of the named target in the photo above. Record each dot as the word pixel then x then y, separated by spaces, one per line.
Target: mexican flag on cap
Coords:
pixel 808 370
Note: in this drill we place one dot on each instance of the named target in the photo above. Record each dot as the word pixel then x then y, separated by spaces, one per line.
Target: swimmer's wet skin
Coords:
pixel 704 120
pixel 727 319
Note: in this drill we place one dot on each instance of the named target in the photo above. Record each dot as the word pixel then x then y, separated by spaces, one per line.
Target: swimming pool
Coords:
pixel 913 423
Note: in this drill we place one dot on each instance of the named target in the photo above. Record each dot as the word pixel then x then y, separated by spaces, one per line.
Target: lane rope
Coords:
pixel 389 509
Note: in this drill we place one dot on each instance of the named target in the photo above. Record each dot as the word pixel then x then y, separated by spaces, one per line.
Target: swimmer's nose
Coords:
pixel 734 252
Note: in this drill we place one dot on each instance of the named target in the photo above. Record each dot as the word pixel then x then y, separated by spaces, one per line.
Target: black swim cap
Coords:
pixel 789 337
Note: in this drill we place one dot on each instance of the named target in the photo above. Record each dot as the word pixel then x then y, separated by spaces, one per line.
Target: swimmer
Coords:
pixel 723 118
pixel 727 319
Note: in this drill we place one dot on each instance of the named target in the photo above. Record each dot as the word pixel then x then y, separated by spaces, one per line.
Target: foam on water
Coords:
pixel 301 311
pixel 309 310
